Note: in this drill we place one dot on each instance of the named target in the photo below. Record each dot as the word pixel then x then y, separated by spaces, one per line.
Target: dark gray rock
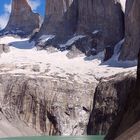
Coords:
pixel 130 113
pixel 110 97
pixel 60 19
pixel 109 51
pixel 132 31
pixel 22 20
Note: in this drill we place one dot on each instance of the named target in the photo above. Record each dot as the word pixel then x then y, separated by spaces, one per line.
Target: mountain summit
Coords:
pixel 22 20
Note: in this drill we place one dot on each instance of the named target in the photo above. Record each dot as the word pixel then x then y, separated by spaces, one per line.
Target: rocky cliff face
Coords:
pixel 22 20
pixel 51 106
pixel 132 31
pixel 60 19
pixel 55 106
pixel 100 21
pixel 110 97
pixel 104 17
pixel 129 114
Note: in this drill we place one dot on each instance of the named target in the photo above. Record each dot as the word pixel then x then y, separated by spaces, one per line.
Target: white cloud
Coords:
pixel 34 4
pixel 7 9
pixel 5 16
pixel 3 20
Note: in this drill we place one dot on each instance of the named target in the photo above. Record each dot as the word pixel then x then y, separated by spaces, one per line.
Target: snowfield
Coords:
pixel 24 58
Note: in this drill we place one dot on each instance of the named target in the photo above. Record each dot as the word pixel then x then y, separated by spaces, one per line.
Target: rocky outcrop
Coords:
pixel 56 106
pixel 105 17
pixel 132 31
pixel 130 113
pixel 132 133
pixel 60 19
pixel 4 48
pixel 102 22
pixel 110 97
pixel 50 105
pixel 22 20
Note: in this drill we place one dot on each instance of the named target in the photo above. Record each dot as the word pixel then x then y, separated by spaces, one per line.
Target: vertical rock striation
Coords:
pixel 132 31
pixel 110 97
pixel 50 105
pixel 104 17
pixel 22 20
pixel 102 22
pixel 130 113
pixel 60 18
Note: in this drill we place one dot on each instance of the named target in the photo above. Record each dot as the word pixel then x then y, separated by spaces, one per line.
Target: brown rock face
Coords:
pixel 104 16
pixel 50 105
pixel 132 31
pixel 60 18
pixel 73 17
pixel 22 20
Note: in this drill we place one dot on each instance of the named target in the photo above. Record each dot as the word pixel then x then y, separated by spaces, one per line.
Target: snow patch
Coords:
pixel 45 38
pixel 22 61
pixel 114 61
pixel 95 32
pixel 17 42
pixel 71 41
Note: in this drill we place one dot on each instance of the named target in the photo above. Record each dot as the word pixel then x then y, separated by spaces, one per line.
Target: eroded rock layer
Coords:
pixel 51 106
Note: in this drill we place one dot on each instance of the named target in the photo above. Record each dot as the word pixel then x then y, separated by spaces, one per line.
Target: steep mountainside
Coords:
pixel 22 20
pixel 56 106
pixel 110 97
pixel 129 115
pixel 50 105
pixel 104 17
pixel 132 31
pixel 100 23
pixel 60 18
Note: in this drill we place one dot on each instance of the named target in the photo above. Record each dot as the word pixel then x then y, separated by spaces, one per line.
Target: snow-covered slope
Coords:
pixel 25 59
pixel 123 4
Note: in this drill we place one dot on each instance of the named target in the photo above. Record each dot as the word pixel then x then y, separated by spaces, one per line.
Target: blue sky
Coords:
pixel 5 5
